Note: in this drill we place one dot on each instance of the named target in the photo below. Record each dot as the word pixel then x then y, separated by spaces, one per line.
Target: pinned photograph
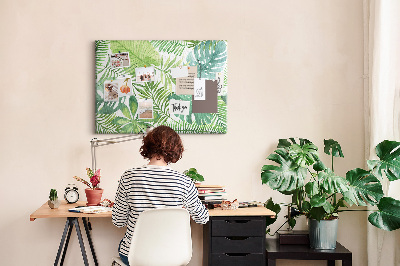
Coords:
pixel 120 60
pixel 124 87
pixel 144 74
pixel 145 109
pixel 111 91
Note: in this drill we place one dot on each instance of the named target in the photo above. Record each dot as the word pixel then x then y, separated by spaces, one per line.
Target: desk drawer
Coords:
pixel 237 259
pixel 238 227
pixel 237 245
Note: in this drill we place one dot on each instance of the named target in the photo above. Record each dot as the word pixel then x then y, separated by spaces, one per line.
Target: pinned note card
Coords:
pixel 179 107
pixel 179 72
pixel 199 89
pixel 210 104
pixel 185 86
pixel 124 86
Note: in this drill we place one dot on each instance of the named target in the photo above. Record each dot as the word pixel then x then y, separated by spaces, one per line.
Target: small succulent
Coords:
pixel 53 195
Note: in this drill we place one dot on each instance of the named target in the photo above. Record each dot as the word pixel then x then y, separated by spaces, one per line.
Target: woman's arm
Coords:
pixel 120 208
pixel 193 205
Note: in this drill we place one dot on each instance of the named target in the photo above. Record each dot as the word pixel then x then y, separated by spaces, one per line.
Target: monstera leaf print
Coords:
pixel 128 123
pixel 170 47
pixel 210 58
pixel 141 53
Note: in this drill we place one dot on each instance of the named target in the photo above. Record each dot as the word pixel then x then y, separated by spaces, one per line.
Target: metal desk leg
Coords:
pixel 66 243
pixel 90 241
pixel 67 226
pixel 78 232
pixel 331 263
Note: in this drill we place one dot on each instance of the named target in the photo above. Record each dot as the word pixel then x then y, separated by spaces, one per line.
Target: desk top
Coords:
pixel 62 212
pixel 249 211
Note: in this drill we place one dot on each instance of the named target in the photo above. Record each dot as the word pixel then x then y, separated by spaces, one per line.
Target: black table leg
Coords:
pixel 67 225
pixel 346 263
pixel 66 243
pixel 90 240
pixel 78 232
pixel 331 263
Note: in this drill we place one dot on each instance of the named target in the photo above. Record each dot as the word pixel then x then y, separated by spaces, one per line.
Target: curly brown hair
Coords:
pixel 164 142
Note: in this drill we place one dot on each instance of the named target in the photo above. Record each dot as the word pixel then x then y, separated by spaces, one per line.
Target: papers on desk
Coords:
pixel 91 209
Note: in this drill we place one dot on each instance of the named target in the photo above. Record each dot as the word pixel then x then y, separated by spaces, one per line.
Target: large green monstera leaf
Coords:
pixel 211 57
pixel 364 188
pixel 388 216
pixel 388 153
pixel 288 176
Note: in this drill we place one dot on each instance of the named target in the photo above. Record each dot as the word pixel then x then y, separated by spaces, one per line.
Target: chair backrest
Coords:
pixel 161 237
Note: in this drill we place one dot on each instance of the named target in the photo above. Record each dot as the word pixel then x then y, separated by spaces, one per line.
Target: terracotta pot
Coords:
pixel 93 196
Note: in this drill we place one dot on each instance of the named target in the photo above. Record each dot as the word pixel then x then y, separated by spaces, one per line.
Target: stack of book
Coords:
pixel 211 194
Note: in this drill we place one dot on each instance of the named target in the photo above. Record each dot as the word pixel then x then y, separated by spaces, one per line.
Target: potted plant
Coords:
pixel 194 175
pixel 320 194
pixel 53 201
pixel 93 193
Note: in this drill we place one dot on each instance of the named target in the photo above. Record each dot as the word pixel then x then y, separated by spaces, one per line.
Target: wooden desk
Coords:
pixel 304 252
pixel 72 219
pixel 235 237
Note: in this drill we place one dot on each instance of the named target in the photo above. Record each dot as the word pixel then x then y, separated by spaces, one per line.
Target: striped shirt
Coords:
pixel 151 187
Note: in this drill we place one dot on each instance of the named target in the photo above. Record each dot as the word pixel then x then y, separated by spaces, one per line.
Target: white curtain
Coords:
pixel 383 109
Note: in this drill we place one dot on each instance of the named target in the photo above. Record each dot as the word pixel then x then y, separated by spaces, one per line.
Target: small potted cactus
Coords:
pixel 53 202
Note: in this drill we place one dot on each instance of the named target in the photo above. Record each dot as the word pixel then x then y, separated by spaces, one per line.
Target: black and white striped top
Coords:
pixel 151 187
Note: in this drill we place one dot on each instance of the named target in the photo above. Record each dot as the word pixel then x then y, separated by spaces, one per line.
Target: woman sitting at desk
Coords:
pixel 155 186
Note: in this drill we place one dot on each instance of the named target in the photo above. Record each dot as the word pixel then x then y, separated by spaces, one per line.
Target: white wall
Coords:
pixel 308 56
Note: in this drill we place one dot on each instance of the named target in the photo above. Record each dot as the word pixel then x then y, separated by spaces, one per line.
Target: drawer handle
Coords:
pixel 236 237
pixel 237 254
pixel 237 221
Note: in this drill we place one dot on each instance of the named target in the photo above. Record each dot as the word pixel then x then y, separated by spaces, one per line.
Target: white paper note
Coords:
pixel 199 89
pixel 179 72
pixel 179 107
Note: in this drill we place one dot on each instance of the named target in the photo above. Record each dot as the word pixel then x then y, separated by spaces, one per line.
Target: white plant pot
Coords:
pixel 54 204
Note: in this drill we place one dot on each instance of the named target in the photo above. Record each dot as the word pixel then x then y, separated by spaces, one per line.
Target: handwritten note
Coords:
pixel 185 86
pixel 179 107
pixel 199 89
pixel 179 72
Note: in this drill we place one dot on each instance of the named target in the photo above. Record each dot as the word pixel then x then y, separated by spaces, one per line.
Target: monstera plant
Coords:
pixel 319 193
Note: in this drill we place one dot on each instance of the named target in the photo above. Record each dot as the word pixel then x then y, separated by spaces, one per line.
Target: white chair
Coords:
pixel 162 237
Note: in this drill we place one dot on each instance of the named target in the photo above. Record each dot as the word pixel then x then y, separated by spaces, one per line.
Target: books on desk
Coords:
pixel 90 209
pixel 211 194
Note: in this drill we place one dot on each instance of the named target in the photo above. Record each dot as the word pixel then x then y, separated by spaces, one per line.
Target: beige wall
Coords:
pixel 309 60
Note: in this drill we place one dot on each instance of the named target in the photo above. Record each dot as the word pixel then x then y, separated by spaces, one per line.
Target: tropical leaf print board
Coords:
pixel 181 84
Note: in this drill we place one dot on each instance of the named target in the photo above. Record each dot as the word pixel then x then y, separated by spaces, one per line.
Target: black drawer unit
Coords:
pixel 234 241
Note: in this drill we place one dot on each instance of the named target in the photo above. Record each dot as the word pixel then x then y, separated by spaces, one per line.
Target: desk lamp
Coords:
pixel 94 143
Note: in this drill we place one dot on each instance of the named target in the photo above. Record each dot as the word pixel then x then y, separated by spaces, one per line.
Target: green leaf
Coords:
pixel 304 155
pixel 388 153
pixel 320 201
pixel 292 222
pixel 276 208
pixel 332 146
pixel 331 183
pixel 311 189
pixel 209 57
pixel 319 166
pixel 141 53
pixel 287 177
pixel 364 188
pixel 388 216
pixel 317 213
pixel 306 206
pixel 284 143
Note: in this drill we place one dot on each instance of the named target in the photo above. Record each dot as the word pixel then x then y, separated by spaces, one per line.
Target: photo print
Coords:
pixel 145 109
pixel 124 87
pixel 111 91
pixel 120 60
pixel 144 74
